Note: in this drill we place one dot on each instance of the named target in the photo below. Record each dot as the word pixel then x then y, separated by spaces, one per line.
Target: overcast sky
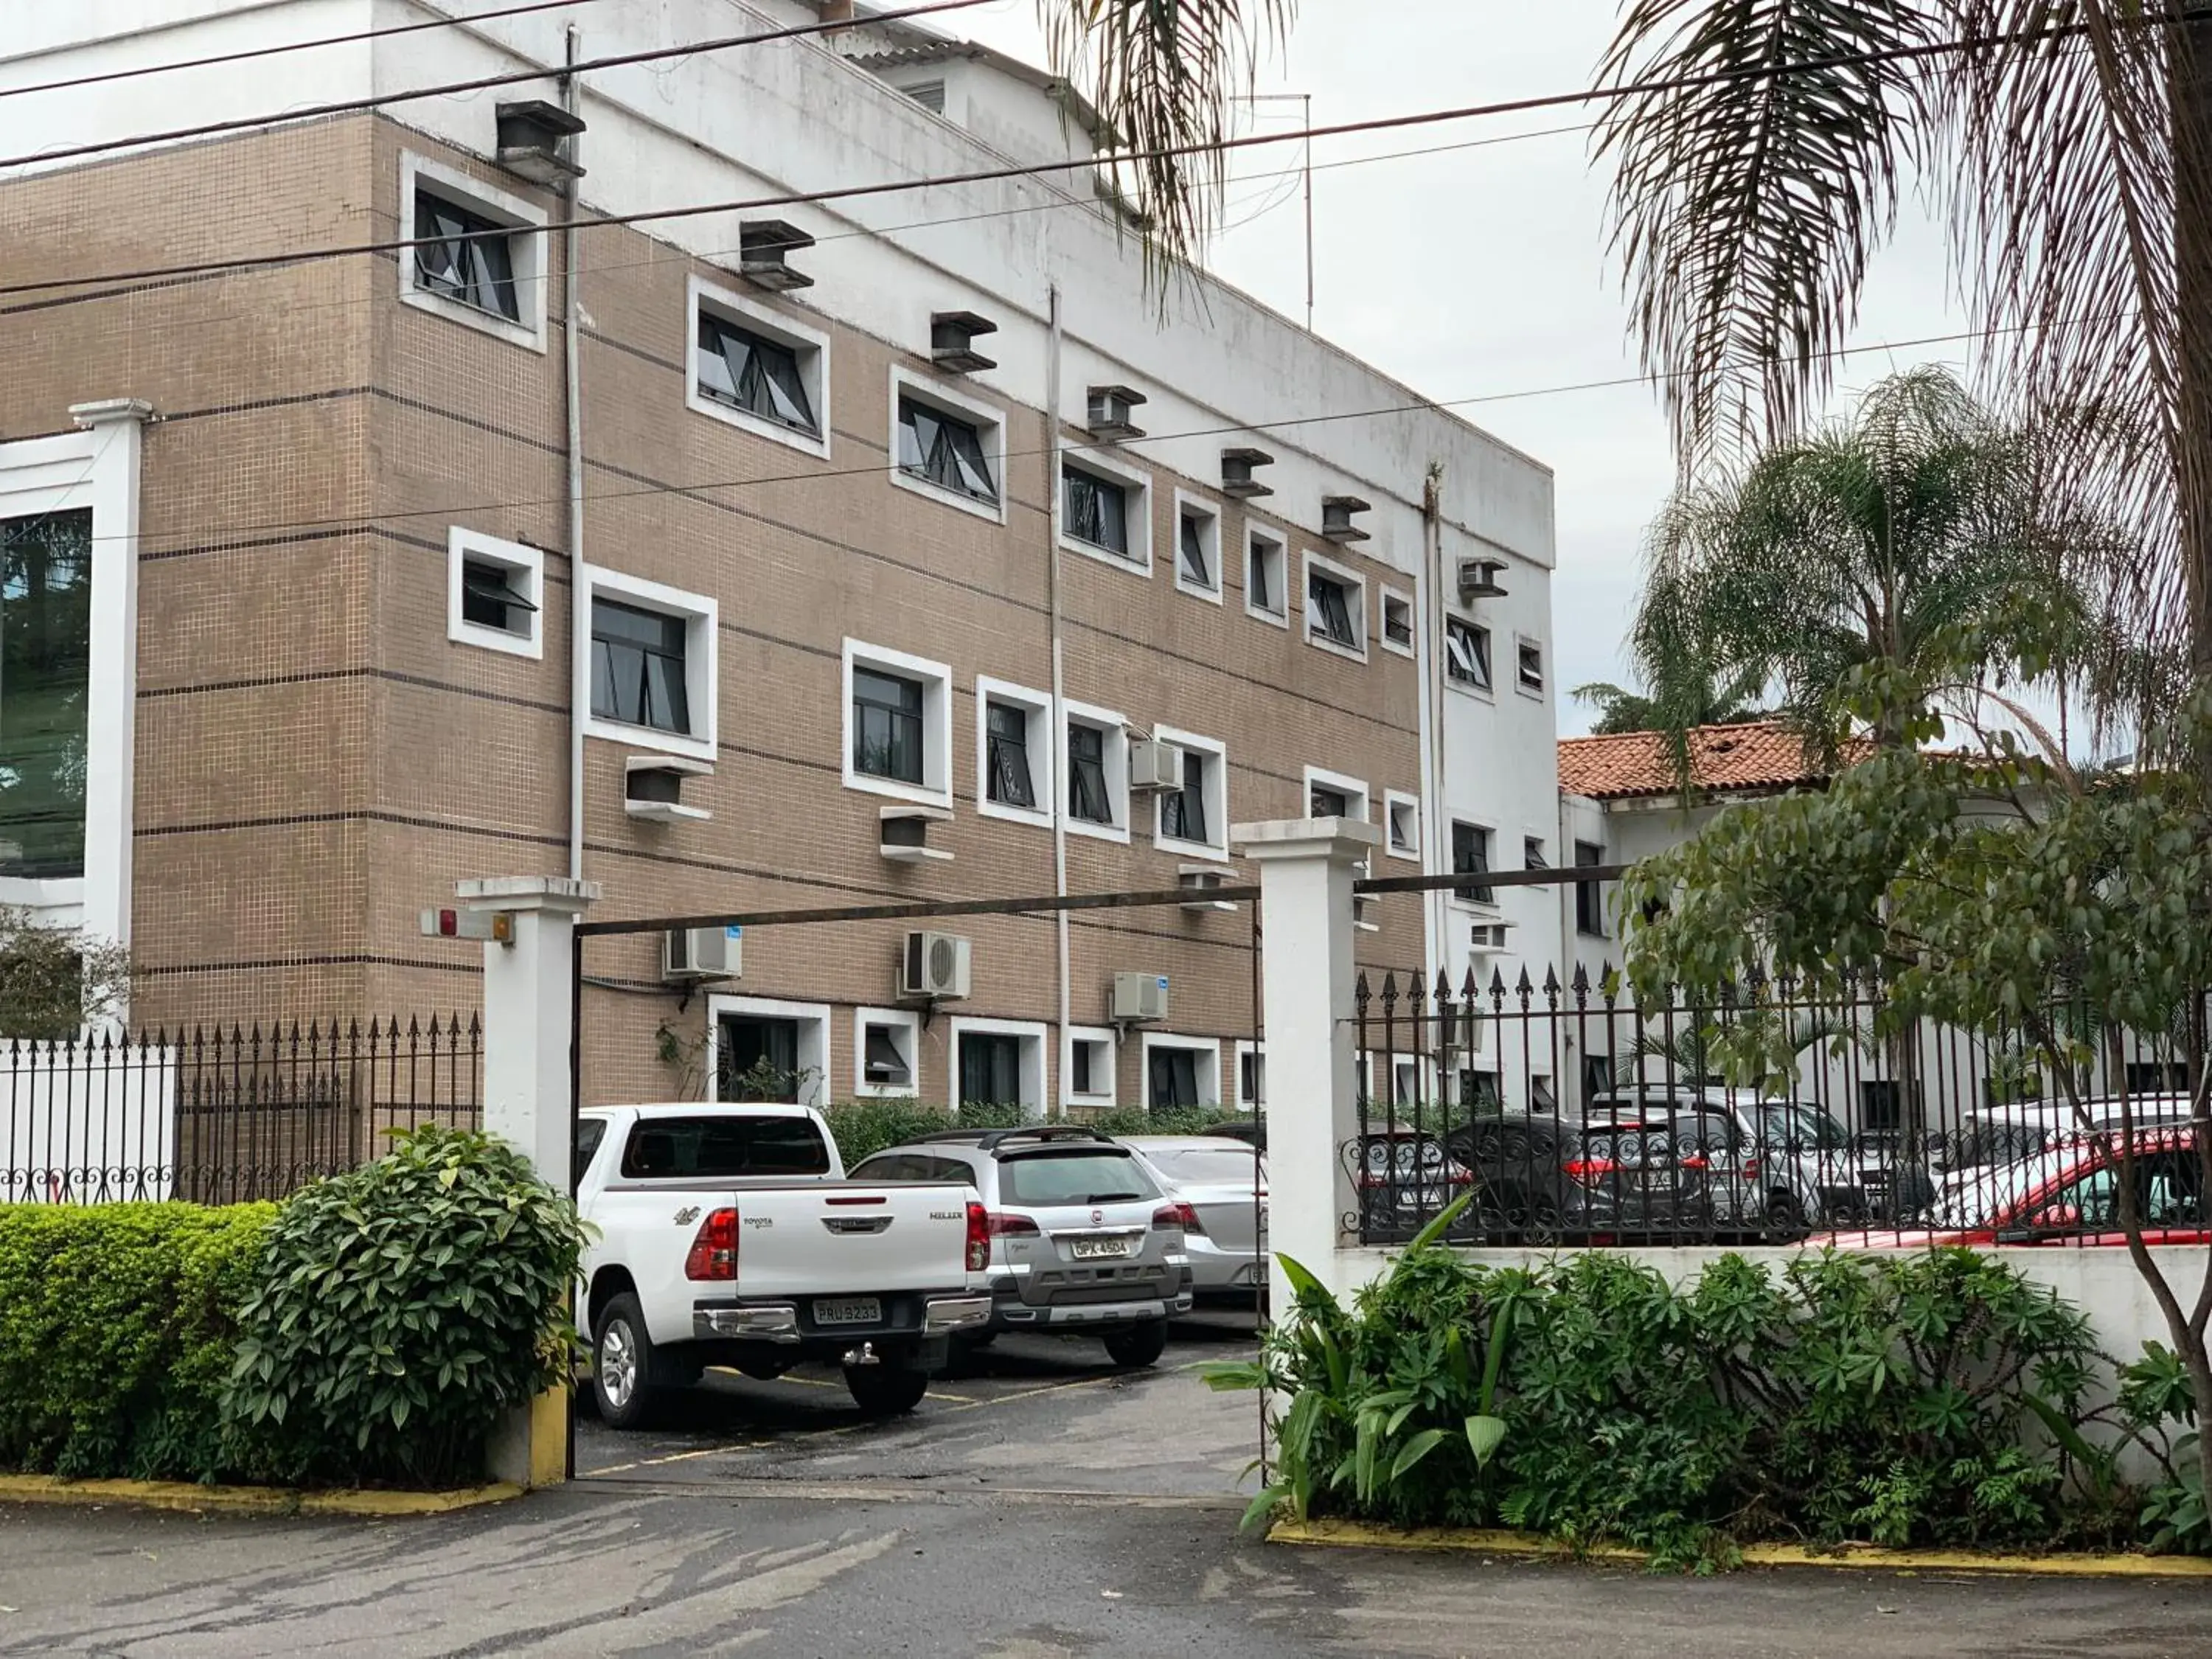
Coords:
pixel 1483 272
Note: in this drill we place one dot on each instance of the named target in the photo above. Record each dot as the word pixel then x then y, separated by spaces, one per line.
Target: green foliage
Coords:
pixel 2157 1391
pixel 1162 1120
pixel 1936 1398
pixel 401 1306
pixel 53 980
pixel 117 1323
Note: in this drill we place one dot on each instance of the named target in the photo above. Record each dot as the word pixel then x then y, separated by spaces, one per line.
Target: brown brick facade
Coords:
pixel 317 762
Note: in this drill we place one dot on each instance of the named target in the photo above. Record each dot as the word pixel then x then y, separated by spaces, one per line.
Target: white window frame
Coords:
pixel 1138 509
pixel 1044 776
pixel 1252 1106
pixel 1209 538
pixel 936 787
pixel 1280 542
pixel 702 662
pixel 813 1021
pixel 1216 798
pixel 810 346
pixel 526 250
pixel 1533 693
pixel 1344 785
pixel 516 559
pixel 1208 1048
pixel 96 466
pixel 991 422
pixel 1392 801
pixel 1033 1033
pixel 1452 683
pixel 1487 909
pixel 1095 1098
pixel 1384 598
pixel 1346 575
pixel 905 1020
pixel 1117 769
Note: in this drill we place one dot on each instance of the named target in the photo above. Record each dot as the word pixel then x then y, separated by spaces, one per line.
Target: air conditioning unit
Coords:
pixel 696 953
pixel 935 966
pixel 1201 882
pixel 1109 410
pixel 1366 912
pixel 1487 938
pixel 763 248
pixel 1154 768
pixel 1236 477
pixel 1480 578
pixel 953 341
pixel 533 136
pixel 1139 998
pixel 1337 513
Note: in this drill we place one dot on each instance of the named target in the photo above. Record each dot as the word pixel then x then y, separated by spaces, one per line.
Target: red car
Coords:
pixel 2067 1193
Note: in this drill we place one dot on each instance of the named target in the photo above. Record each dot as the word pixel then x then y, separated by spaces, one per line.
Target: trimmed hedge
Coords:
pixel 373 1328
pixel 117 1324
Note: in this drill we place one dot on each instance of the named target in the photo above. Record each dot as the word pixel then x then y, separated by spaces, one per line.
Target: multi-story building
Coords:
pixel 377 516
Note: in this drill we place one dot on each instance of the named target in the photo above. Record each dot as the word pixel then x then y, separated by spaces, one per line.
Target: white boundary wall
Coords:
pixel 83 1124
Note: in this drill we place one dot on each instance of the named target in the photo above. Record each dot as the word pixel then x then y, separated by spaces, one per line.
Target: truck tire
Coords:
pixel 625 1369
pixel 886 1390
pixel 1136 1347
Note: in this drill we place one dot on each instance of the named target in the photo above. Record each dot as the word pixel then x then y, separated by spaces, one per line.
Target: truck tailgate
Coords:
pixel 846 1237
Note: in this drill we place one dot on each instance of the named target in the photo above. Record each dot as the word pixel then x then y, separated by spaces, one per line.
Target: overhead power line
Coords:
pixel 1418 405
pixel 479 83
pixel 1035 169
pixel 246 54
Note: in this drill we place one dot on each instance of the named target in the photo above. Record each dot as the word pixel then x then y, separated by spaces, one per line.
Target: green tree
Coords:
pixel 2068 145
pixel 1621 710
pixel 55 980
pixel 1869 541
pixel 1988 889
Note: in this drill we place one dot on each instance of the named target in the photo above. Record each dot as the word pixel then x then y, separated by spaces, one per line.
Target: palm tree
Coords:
pixel 2068 143
pixel 1621 710
pixel 1872 541
pixel 1164 75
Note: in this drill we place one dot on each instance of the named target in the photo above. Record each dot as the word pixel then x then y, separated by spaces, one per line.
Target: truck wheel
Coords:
pixel 886 1390
pixel 623 1365
pixel 1785 1221
pixel 1137 1346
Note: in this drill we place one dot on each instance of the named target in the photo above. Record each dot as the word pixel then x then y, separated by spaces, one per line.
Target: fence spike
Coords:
pixel 1552 986
pixel 1496 987
pixel 1359 990
pixel 1389 992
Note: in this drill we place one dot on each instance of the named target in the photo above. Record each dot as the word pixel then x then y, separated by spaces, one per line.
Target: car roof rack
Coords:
pixel 990 1139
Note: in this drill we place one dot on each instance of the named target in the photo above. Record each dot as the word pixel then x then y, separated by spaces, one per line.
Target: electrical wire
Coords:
pixel 1037 169
pixel 1436 405
pixel 246 54
pixel 479 83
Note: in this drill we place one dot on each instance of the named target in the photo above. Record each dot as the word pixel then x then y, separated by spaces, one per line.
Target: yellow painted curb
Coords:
pixel 1359 1534
pixel 246 1500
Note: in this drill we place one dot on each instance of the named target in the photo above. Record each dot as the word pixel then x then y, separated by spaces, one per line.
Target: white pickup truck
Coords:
pixel 728 1235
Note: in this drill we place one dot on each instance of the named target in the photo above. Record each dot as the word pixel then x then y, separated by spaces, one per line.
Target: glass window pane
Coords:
pixel 670 708
pixel 1195 566
pixel 46 659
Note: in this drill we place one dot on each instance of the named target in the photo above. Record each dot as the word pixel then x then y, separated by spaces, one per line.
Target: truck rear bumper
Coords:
pixel 782 1322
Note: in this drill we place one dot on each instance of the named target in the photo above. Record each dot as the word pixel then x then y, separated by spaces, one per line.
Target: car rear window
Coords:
pixel 1207 1166
pixel 734 1148
pixel 1041 1180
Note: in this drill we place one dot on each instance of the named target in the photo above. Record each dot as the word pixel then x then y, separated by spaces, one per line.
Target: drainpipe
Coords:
pixel 1433 850
pixel 580 633
pixel 1058 680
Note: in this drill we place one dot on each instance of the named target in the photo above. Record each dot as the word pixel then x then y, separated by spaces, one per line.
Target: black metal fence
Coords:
pixel 222 1114
pixel 1571 1116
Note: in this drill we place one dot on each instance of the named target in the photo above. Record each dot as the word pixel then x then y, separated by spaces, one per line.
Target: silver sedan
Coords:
pixel 1226 1184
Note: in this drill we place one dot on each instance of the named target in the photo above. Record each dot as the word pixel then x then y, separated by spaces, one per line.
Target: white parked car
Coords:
pixel 1226 1184
pixel 727 1235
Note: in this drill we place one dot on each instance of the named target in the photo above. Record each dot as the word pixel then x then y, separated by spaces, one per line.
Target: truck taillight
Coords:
pixel 714 1251
pixel 979 1238
pixel 1179 1215
pixel 1002 1225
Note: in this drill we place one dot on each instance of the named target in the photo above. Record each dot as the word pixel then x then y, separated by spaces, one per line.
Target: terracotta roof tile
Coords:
pixel 1757 754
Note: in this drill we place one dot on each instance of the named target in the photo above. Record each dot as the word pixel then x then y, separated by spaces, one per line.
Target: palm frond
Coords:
pixel 1744 209
pixel 1164 75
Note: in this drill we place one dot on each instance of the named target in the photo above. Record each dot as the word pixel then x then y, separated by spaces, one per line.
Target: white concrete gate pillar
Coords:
pixel 528 1025
pixel 1307 867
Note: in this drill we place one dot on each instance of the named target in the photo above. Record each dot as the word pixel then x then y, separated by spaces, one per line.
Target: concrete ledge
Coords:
pixel 246 1500
pixel 1360 1534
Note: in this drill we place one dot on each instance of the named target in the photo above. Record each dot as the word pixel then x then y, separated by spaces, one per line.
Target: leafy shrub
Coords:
pixel 2155 1394
pixel 1930 1398
pixel 402 1307
pixel 117 1324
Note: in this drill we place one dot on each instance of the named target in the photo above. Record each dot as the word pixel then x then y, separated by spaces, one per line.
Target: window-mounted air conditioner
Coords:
pixel 696 953
pixel 1481 579
pixel 1154 768
pixel 1139 998
pixel 764 247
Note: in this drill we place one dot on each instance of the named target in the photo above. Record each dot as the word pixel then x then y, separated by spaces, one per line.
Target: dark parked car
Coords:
pixel 1405 1178
pixel 1520 1165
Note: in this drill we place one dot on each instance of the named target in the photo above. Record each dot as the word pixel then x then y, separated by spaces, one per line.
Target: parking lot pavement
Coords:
pixel 1029 1413
pixel 597 1570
